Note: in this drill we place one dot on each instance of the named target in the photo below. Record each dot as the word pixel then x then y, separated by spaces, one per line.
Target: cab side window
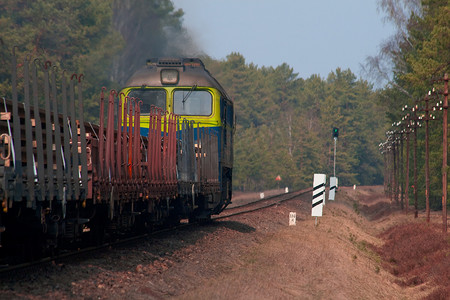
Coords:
pixel 229 115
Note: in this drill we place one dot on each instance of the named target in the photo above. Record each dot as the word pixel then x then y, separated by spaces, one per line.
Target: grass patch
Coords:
pixel 356 207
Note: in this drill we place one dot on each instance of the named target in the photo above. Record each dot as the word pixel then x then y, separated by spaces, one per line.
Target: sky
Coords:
pixel 311 36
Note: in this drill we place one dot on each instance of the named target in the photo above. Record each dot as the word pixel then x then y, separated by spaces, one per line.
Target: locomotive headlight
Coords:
pixel 169 76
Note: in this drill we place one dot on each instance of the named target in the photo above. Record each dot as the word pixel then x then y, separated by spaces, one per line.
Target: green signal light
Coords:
pixel 335 132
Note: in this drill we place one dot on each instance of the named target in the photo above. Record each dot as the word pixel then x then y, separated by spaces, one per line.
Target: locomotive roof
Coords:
pixel 191 72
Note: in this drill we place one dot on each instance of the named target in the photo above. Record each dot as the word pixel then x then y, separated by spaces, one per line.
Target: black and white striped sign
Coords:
pixel 318 194
pixel 333 186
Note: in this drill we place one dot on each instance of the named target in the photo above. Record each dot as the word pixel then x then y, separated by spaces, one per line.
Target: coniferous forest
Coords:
pixel 284 122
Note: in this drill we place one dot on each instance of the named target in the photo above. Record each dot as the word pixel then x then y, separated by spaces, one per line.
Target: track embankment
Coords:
pixel 257 255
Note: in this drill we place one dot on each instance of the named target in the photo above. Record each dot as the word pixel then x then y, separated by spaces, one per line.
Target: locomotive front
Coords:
pixel 183 86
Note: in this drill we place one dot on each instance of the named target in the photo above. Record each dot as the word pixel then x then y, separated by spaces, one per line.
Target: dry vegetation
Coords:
pixel 417 254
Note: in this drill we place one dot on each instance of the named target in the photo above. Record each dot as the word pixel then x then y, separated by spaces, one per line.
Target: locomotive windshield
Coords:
pixel 192 103
pixel 149 97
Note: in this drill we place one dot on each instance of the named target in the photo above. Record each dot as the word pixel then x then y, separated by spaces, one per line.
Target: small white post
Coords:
pixel 292 218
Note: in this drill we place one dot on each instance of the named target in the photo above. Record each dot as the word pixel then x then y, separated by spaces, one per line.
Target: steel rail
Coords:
pixel 301 192
pixel 272 199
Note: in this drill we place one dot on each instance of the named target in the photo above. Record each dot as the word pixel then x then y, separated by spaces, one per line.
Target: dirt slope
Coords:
pixel 333 260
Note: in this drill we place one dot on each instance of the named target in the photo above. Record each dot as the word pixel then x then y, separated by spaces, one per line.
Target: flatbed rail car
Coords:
pixel 64 181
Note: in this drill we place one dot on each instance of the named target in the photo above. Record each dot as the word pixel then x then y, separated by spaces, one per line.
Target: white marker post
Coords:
pixel 333 185
pixel 318 195
pixel 292 218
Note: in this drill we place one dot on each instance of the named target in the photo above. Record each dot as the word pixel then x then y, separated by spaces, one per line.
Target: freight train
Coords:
pixel 162 152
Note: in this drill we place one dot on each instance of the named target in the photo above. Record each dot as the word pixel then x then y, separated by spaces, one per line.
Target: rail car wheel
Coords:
pixel 202 214
pixel 24 238
pixel 177 211
pixel 98 225
pixel 157 216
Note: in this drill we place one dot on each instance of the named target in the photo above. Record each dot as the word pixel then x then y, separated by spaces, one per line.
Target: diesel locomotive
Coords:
pixel 186 88
pixel 162 152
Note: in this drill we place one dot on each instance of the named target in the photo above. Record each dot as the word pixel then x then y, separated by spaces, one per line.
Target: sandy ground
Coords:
pixel 332 260
pixel 254 256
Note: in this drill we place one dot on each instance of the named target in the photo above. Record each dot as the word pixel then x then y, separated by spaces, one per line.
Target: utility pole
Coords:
pixel 427 158
pixel 406 120
pixel 407 173
pixel 444 157
pixel 401 172
pixel 416 125
pixel 395 153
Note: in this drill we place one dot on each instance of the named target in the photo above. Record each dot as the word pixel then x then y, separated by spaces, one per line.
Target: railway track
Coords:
pixel 5 270
pixel 260 204
pixel 252 206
